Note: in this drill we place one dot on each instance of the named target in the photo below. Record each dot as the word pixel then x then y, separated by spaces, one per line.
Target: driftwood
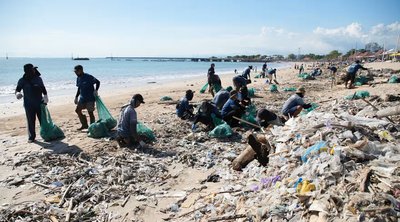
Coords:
pixel 244 158
pixel 232 217
pixel 391 111
pixel 376 109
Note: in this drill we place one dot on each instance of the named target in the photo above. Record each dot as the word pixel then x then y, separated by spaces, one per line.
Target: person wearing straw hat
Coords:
pixel 295 104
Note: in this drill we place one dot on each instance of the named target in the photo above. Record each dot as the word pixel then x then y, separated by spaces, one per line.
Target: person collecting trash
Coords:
pixel 33 88
pixel 295 104
pixel 183 109
pixel 351 73
pixel 85 96
pixel 127 126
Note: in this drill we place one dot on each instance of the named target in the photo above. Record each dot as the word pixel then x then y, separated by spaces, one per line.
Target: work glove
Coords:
pixel 307 106
pixel 45 99
pixel 76 100
pixel 95 93
pixel 19 95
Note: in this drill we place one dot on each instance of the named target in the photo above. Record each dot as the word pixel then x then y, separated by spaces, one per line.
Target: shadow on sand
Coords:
pixel 59 147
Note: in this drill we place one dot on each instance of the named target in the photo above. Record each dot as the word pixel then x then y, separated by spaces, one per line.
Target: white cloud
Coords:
pixel 352 30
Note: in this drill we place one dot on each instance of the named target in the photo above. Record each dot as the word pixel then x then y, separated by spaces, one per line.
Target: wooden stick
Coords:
pixel 125 201
pixel 277 153
pixel 43 185
pixel 192 211
pixel 244 121
pixel 70 207
pixel 376 109
pixel 53 218
pixel 123 219
pixel 66 192
pixel 236 216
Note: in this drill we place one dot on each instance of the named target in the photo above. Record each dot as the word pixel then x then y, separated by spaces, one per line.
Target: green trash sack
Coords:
pixel 104 114
pixel 257 76
pixel 217 121
pixel 251 92
pixel 394 79
pixel 48 130
pixel 204 88
pixel 273 88
pixel 250 115
pixel 221 131
pixel 98 129
pixel 289 89
pixel 217 88
pixel 229 88
pixel 144 131
pixel 313 106
pixel 165 98
pixel 305 76
pixel 358 95
pixel 361 80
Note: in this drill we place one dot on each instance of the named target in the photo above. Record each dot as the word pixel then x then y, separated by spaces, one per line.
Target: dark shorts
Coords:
pixel 350 76
pixel 89 106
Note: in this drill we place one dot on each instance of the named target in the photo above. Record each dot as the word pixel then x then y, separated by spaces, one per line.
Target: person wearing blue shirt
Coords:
pixel 351 73
pixel 232 108
pixel 85 95
pixel 263 70
pixel 246 72
pixel 220 98
pixel 183 109
pixel 127 124
pixel 32 86
pixel 239 81
pixel 295 104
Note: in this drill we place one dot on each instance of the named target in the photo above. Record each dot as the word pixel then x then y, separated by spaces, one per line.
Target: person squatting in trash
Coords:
pixel 85 96
pixel 127 125
pixel 232 108
pixel 33 88
pixel 183 109
pixel 295 104
pixel 206 113
pixel 265 118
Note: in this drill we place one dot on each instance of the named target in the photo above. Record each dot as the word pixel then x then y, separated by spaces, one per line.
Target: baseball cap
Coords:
pixel 138 97
pixel 29 66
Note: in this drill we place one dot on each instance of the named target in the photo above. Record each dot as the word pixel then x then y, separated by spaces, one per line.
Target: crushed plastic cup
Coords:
pixel 305 187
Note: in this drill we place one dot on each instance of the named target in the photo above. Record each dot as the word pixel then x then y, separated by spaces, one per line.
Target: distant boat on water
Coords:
pixel 81 58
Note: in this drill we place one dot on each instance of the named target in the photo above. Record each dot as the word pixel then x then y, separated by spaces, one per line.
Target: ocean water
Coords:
pixel 59 78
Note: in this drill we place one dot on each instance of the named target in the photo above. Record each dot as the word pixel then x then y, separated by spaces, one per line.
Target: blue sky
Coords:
pixel 97 28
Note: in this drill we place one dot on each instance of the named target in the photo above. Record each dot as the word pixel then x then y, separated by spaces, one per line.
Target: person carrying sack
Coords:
pixel 85 95
pixel 33 88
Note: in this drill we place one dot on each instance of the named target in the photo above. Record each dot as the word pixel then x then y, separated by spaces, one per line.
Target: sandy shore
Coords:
pixel 157 116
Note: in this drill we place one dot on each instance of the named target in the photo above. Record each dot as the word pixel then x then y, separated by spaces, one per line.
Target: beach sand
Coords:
pixel 158 116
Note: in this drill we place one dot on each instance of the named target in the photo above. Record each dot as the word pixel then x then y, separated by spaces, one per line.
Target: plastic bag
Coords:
pixel 221 131
pixel 217 121
pixel 144 131
pixel 313 106
pixel 250 115
pixel 305 76
pixel 104 114
pixel 229 88
pixel 313 150
pixel 358 95
pixel 273 88
pixel 217 88
pixel 361 80
pixel 48 130
pixel 289 89
pixel 394 79
pixel 251 92
pixel 165 98
pixel 204 88
pixel 98 129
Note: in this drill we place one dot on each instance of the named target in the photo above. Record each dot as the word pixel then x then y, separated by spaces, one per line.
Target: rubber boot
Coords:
pixel 92 118
pixel 83 122
pixel 262 150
